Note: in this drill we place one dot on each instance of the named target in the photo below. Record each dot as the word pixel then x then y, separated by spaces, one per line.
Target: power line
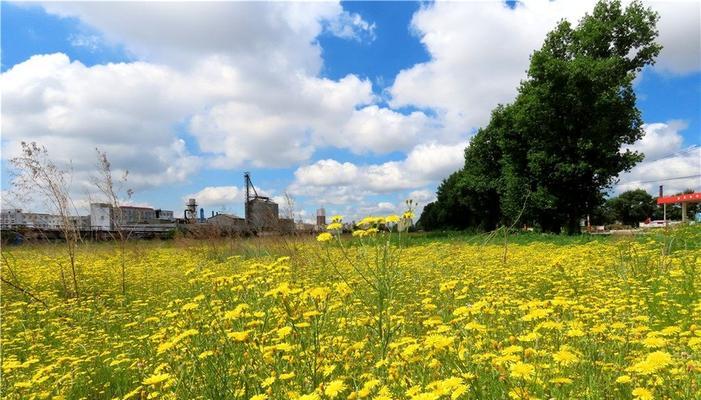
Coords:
pixel 662 180
pixel 676 153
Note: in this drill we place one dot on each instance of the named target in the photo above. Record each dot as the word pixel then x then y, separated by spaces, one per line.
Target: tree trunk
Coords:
pixel 573 227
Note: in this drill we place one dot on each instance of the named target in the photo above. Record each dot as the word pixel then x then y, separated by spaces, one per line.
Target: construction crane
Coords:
pixel 251 194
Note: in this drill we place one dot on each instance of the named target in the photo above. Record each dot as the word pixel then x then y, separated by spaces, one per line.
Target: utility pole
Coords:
pixel 247 182
pixel 664 206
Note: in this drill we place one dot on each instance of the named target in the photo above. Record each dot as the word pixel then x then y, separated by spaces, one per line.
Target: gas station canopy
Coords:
pixel 682 198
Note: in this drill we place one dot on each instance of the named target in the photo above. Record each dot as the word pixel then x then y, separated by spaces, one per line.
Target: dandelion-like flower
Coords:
pixel 392 218
pixel 324 237
pixel 334 226
pixel 334 388
pixel 642 394
pixel 565 357
pixel 156 379
pixel 522 370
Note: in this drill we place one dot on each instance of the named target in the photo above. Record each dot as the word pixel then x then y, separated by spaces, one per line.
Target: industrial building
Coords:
pixel 228 223
pixel 263 214
pixel 135 215
pixel 262 217
pixel 103 217
pixel 14 218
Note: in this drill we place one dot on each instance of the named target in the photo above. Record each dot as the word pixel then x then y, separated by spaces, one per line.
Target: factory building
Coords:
pixel 286 225
pixel 81 222
pixel 11 218
pixel 165 215
pixel 42 221
pixel 228 222
pixel 262 215
pixel 15 218
pixel 129 215
pixel 101 216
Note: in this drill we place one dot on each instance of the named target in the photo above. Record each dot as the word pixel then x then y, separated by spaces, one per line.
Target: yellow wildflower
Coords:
pixel 392 218
pixel 334 388
pixel 239 336
pixel 565 357
pixel 642 394
pixel 522 370
pixel 324 237
pixel 156 379
pixel 334 226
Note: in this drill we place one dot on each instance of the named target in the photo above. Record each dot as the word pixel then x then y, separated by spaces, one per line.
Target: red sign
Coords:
pixel 682 198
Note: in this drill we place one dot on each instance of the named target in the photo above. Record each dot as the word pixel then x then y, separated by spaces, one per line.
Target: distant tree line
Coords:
pixel 635 206
pixel 547 159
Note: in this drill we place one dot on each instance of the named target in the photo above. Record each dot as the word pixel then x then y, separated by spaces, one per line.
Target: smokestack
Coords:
pixel 321 217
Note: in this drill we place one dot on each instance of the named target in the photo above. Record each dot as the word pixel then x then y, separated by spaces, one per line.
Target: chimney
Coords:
pixel 321 217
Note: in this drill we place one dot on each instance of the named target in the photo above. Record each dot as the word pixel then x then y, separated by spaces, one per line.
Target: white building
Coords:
pixel 100 216
pixel 165 215
pixel 15 217
pixel 11 218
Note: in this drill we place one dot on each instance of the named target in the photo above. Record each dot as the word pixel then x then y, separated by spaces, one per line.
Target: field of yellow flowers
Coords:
pixel 360 318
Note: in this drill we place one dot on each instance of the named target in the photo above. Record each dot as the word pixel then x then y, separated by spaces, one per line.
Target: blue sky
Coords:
pixel 352 106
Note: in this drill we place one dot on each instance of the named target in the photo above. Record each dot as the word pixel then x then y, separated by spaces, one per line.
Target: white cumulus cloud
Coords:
pixel 121 109
pixel 217 196
pixel 666 161
pixel 346 181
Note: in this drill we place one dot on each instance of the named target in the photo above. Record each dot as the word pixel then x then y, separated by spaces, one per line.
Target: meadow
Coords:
pixel 373 316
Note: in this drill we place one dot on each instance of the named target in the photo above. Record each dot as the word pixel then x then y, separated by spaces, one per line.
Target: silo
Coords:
pixel 321 217
pixel 190 213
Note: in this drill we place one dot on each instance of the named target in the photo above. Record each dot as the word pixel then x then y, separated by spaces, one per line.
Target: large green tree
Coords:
pixel 576 111
pixel 557 147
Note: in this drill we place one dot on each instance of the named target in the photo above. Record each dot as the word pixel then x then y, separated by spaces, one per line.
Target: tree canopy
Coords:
pixel 547 158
